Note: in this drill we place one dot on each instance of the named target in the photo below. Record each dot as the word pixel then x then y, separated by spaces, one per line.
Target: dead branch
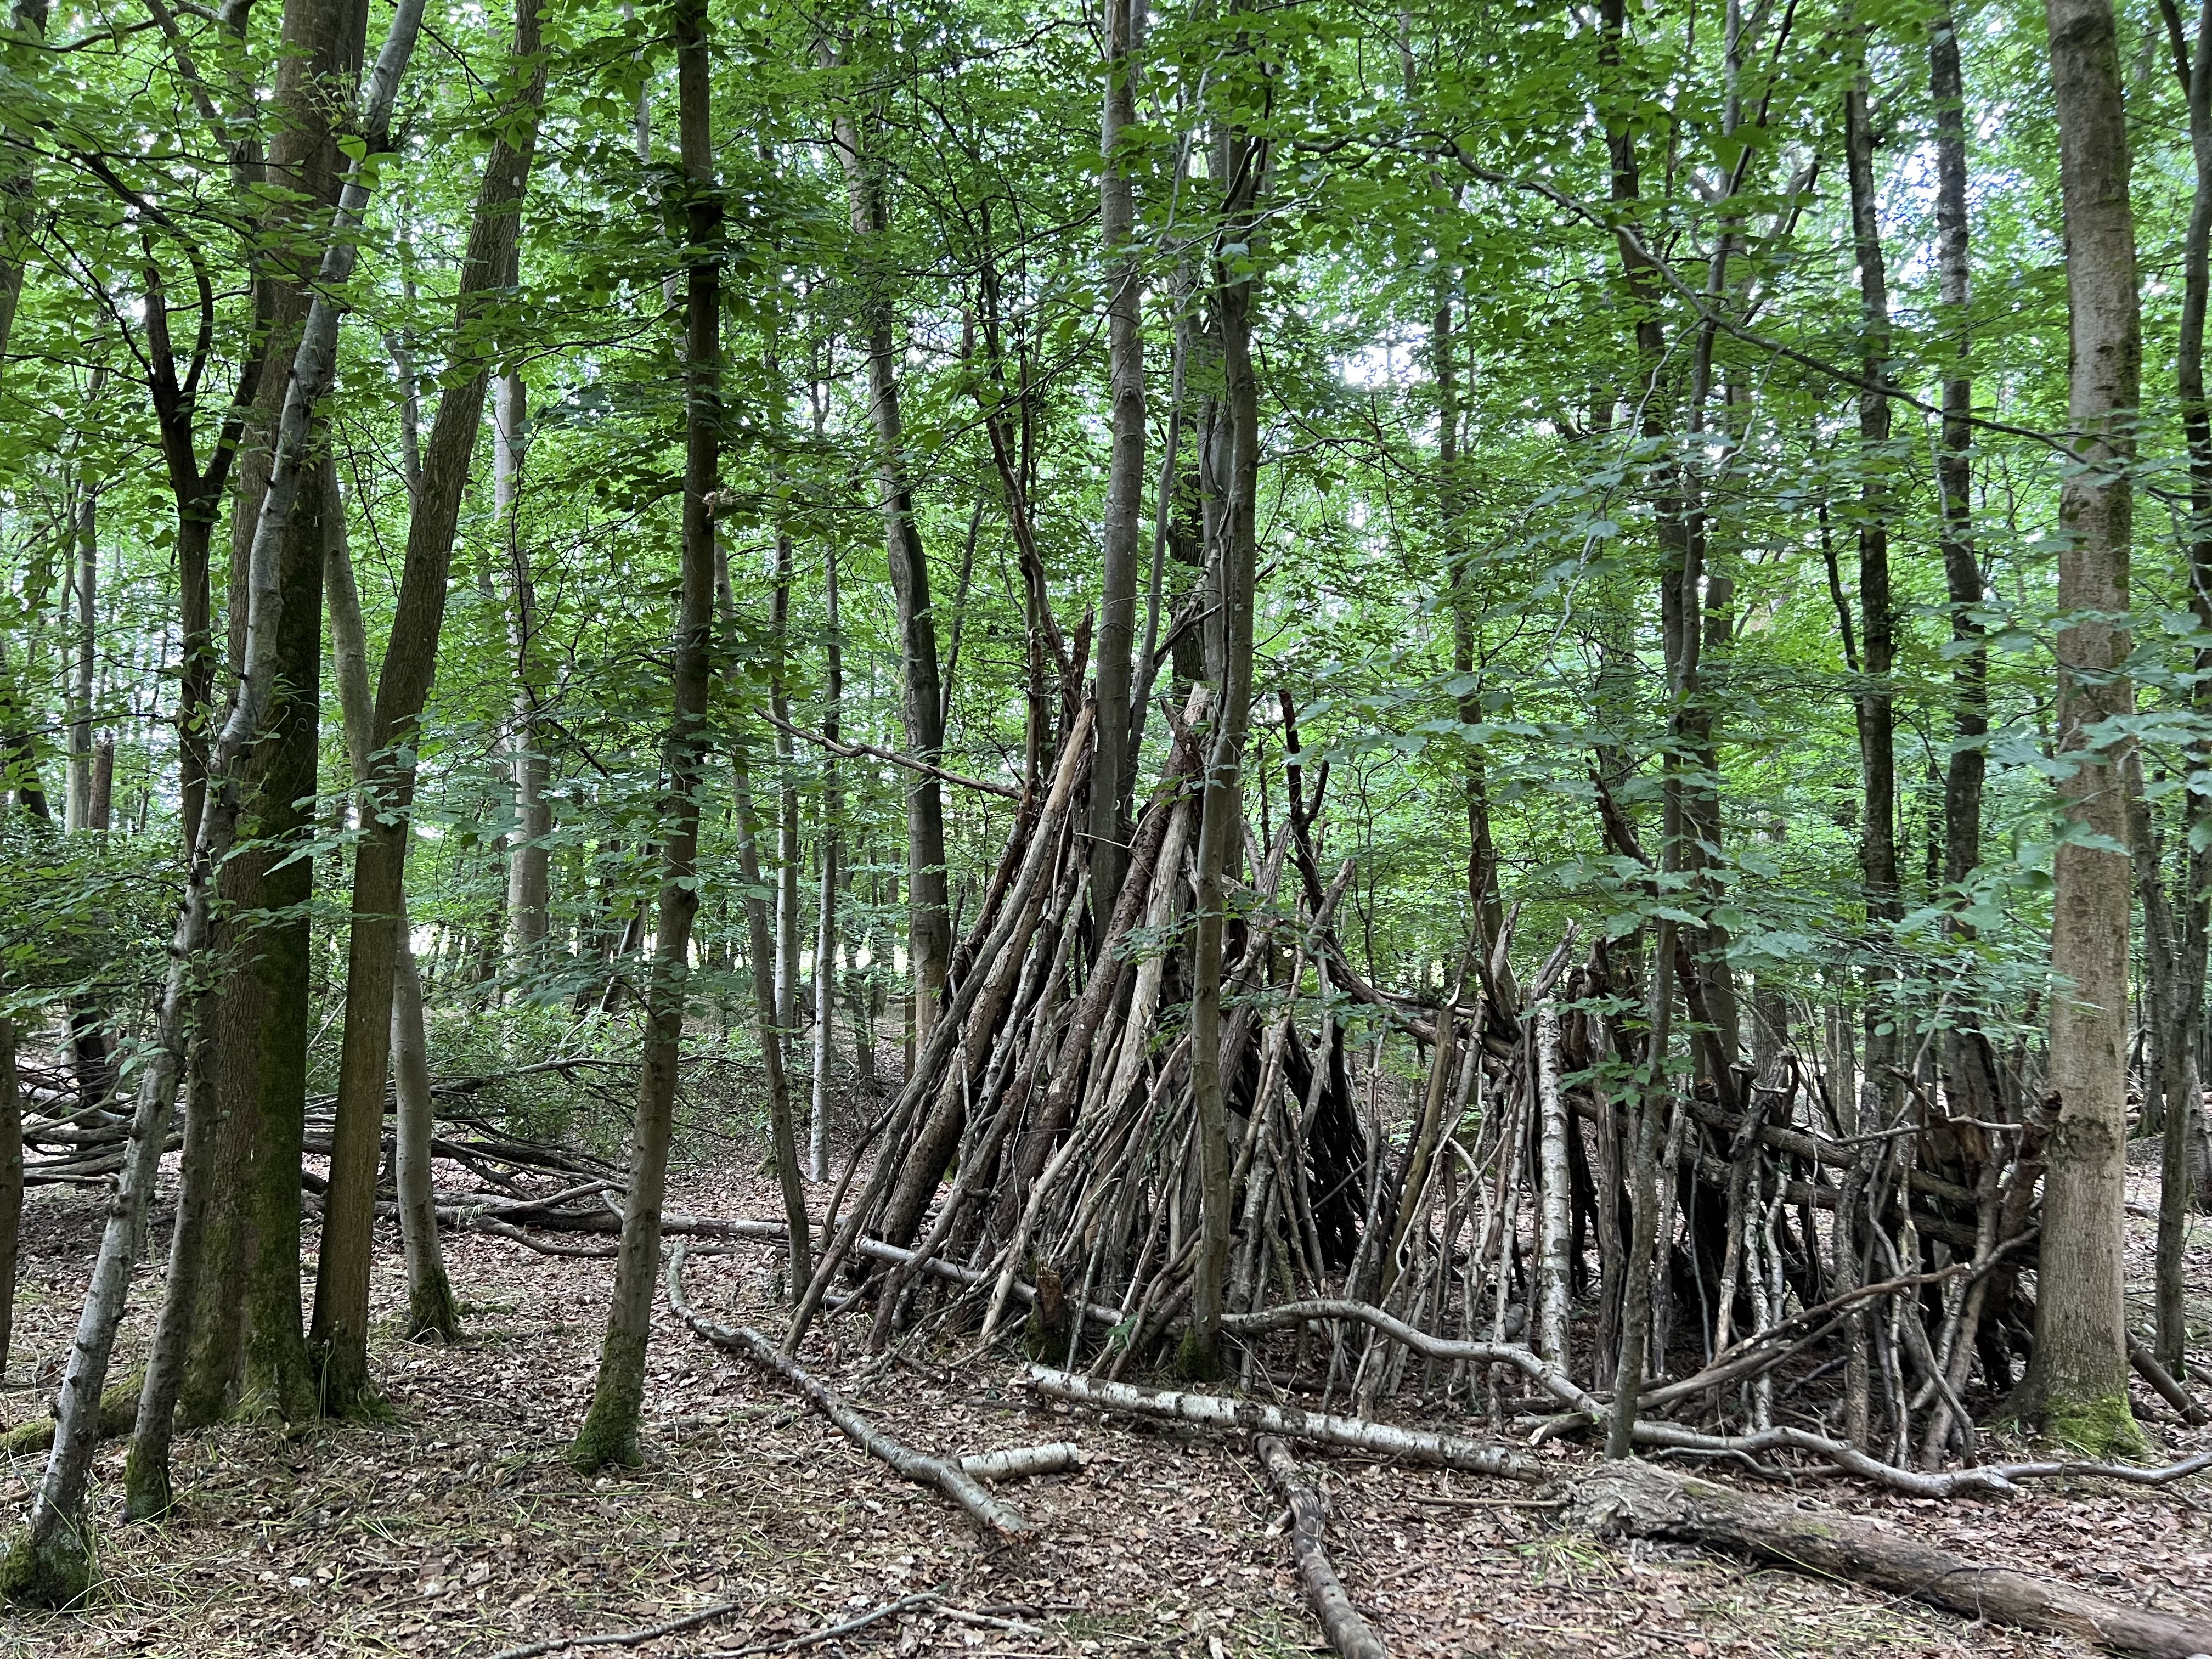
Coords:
pixel 1289 1314
pixel 1214 1411
pixel 947 1477
pixel 2169 1389
pixel 1643 1501
pixel 1019 1462
pixel 856 750
pixel 1351 1635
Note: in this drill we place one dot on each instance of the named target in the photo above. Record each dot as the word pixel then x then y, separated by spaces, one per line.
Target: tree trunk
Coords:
pixel 2185 1160
pixel 529 868
pixel 84 594
pixel 1221 819
pixel 1125 475
pixel 609 1434
pixel 825 937
pixel 929 934
pixel 1875 707
pixel 342 1272
pixel 254 1062
pixel 11 1186
pixel 431 1310
pixel 2076 1385
pixel 1969 1063
pixel 19 208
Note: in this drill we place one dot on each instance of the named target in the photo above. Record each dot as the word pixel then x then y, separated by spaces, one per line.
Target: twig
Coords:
pixel 626 1638
pixel 855 750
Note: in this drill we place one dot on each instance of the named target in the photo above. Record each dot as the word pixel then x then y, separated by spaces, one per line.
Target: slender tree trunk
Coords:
pixel 1969 1062
pixel 2185 1160
pixel 431 1310
pixel 1876 705
pixel 84 597
pixel 342 1275
pixel 2076 1385
pixel 609 1434
pixel 11 1186
pixel 529 868
pixel 789 855
pixel 929 934
pixel 1125 475
pixel 1221 819
pixel 825 936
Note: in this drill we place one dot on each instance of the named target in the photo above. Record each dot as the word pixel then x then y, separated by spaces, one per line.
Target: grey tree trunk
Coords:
pixel 929 928
pixel 2076 1385
pixel 825 934
pixel 529 868
pixel 1221 819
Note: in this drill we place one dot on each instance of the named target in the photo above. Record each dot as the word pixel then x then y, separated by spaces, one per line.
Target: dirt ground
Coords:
pixel 455 1530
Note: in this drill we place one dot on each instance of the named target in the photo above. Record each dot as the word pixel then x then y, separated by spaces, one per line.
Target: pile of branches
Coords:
pixel 1832 1280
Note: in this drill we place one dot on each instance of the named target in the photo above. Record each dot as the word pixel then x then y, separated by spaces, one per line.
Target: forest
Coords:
pixel 916 826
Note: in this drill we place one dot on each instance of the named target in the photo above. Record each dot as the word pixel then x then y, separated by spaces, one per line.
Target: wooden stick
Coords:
pixel 1450 1451
pixel 1019 1462
pixel 1349 1633
pixel 918 1467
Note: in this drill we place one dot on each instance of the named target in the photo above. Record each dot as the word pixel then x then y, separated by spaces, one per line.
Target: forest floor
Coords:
pixel 456 1529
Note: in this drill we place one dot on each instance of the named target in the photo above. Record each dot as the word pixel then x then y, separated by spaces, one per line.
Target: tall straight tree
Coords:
pixel 340 1333
pixel 1125 474
pixel 2076 1385
pixel 857 137
pixel 609 1434
pixel 1240 162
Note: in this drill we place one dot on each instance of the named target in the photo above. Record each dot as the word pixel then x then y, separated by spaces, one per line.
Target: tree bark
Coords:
pixel 825 933
pixel 609 1434
pixel 2076 1385
pixel 929 931
pixel 255 1060
pixel 1644 1501
pixel 529 868
pixel 18 174
pixel 1221 817
pixel 341 1325
pixel 1125 474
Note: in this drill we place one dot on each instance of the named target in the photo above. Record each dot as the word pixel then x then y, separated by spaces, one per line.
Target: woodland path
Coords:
pixel 456 1530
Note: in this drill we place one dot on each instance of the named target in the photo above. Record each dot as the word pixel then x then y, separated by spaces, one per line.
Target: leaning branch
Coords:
pixel 858 751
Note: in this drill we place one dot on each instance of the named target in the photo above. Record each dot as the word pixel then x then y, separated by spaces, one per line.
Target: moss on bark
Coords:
pixel 609 1436
pixel 56 1573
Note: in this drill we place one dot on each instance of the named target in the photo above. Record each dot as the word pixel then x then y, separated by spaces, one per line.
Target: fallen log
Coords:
pixel 1214 1411
pixel 1019 1462
pixel 948 1478
pixel 1643 1501
pixel 1350 1634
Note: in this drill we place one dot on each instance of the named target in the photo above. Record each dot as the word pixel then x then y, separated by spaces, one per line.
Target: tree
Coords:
pixel 2077 1384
